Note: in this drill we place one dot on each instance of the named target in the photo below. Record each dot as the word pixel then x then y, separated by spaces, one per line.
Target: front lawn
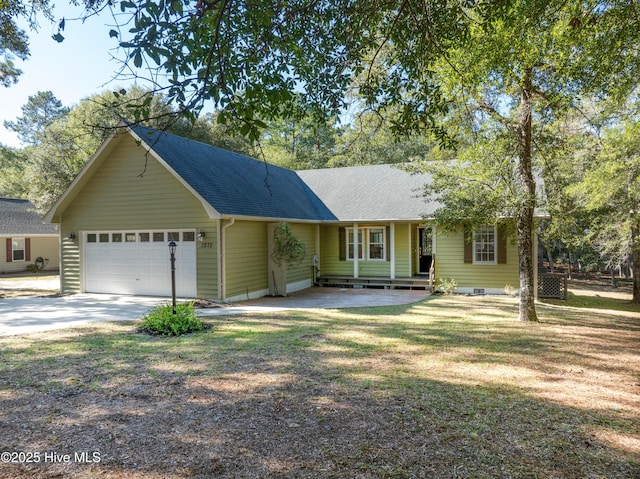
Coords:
pixel 452 387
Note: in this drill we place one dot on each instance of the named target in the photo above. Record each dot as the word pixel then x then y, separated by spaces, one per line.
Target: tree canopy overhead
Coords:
pixel 13 40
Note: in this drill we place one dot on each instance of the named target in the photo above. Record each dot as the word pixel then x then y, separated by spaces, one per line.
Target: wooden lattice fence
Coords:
pixel 552 285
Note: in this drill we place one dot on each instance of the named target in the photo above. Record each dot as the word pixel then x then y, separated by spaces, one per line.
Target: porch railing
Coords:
pixel 432 275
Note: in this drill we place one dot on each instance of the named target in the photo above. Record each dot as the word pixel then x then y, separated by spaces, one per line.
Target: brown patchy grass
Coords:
pixel 452 387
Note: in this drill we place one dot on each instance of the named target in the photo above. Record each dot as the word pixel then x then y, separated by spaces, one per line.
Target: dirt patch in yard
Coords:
pixel 452 387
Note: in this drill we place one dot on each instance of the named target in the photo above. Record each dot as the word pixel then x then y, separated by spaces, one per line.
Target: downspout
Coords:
pixel 316 267
pixel 223 259
pixel 61 265
pixel 219 256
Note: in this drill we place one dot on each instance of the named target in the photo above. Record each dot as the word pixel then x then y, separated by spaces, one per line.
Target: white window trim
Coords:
pixel 124 233
pixel 14 249
pixel 361 247
pixel 495 246
pixel 384 243
pixel 364 252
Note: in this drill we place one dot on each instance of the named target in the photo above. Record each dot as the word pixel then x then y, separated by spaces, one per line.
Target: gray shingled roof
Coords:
pixel 17 217
pixel 377 192
pixel 234 184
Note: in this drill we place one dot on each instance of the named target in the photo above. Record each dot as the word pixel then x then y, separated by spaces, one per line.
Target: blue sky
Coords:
pixel 74 69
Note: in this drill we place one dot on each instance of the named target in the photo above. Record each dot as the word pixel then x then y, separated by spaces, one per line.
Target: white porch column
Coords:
pixel 392 249
pixel 356 251
pixel 411 246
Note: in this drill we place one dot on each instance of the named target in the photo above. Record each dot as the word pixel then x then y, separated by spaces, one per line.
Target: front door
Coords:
pixel 425 250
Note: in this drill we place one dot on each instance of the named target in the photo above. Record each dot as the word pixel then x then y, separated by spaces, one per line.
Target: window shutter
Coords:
pixel 501 244
pixel 468 245
pixel 342 244
pixel 27 249
pixel 388 242
pixel 9 251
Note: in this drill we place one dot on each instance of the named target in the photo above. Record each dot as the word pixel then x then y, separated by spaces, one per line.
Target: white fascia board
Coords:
pixel 376 220
pixel 270 219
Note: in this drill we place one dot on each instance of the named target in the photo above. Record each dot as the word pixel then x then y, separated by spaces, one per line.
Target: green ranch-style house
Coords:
pixel 363 226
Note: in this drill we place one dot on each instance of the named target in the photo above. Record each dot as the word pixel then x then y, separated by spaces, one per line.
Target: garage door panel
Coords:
pixel 138 267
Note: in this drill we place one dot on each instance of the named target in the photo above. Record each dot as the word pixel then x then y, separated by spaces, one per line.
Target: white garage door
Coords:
pixel 138 262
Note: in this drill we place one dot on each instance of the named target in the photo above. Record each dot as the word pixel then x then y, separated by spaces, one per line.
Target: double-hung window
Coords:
pixel 351 245
pixel 484 245
pixel 371 244
pixel 376 244
pixel 18 249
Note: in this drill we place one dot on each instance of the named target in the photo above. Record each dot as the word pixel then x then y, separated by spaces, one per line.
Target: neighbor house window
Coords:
pixel 350 244
pixel 376 243
pixel 484 245
pixel 17 245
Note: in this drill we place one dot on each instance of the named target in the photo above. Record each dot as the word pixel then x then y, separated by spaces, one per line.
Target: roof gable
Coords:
pixel 233 184
pixel 18 217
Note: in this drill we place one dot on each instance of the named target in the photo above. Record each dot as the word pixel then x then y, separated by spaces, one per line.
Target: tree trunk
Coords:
pixel 550 258
pixel 635 261
pixel 524 221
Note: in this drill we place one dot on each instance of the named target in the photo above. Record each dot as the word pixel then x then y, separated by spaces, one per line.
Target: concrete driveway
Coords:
pixel 29 314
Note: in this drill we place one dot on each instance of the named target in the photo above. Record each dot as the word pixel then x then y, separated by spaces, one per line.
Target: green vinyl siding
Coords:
pixel 373 268
pixel 330 263
pixel 330 254
pixel 246 258
pixel 70 264
pixel 303 271
pixel 403 249
pixel 450 264
pixel 131 191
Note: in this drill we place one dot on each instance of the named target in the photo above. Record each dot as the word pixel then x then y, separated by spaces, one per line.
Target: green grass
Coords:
pixel 449 387
pixel 597 301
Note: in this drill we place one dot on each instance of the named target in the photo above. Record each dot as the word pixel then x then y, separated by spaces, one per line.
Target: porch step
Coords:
pixel 414 282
